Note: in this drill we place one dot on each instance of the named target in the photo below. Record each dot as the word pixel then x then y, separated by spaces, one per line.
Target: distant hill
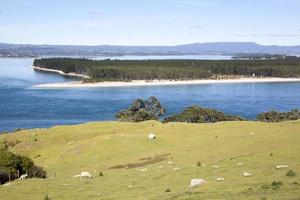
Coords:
pixel 196 48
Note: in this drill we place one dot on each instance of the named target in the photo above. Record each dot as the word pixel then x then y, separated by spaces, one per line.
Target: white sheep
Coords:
pixel 23 177
pixel 196 182
pixel 247 174
pixel 86 175
pixel 281 166
pixel 151 136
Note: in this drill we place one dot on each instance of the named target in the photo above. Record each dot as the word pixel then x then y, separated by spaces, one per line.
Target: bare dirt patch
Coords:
pixel 146 161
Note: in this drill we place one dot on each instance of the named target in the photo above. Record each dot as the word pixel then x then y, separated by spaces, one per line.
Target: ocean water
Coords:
pixel 21 106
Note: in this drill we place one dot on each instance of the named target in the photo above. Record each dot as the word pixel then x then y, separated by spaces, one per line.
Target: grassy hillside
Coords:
pixel 96 147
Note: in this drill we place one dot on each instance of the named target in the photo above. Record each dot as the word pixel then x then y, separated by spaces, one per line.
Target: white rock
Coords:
pixel 215 166
pixel 220 179
pixel 247 174
pixel 151 136
pixel 240 163
pixel 176 168
pixel 160 166
pixel 251 133
pixel 281 166
pixel 170 162
pixel 196 182
pixel 143 169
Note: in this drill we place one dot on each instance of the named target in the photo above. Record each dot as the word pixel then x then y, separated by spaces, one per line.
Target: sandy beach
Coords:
pixel 60 72
pixel 80 84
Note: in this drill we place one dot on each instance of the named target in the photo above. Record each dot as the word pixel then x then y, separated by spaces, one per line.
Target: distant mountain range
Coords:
pixel 231 48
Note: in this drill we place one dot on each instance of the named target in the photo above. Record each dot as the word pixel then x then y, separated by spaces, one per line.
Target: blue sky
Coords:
pixel 149 22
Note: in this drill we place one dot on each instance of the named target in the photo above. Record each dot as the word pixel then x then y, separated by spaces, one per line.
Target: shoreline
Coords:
pixel 135 83
pixel 60 72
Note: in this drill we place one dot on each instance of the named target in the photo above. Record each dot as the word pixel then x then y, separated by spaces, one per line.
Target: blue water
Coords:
pixel 24 107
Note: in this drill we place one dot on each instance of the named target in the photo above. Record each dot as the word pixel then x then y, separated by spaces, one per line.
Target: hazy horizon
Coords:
pixel 149 23
pixel 145 45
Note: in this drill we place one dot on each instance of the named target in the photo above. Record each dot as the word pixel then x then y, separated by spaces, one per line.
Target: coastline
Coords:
pixel 60 72
pixel 134 83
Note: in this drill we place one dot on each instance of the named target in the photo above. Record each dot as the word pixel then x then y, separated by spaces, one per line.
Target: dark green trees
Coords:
pixel 274 116
pixel 196 114
pixel 13 165
pixel 126 70
pixel 142 110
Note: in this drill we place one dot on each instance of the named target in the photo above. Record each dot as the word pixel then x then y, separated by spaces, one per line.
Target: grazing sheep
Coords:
pixel 86 175
pixel 23 177
pixel 196 182
pixel 281 166
pixel 220 179
pixel 151 136
pixel 246 174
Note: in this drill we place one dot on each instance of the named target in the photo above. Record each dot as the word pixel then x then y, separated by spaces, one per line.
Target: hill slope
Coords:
pixel 195 48
pixel 121 150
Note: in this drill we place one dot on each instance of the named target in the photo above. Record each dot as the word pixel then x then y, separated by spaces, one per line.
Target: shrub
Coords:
pixel 142 110
pixel 12 165
pixel 274 116
pixel 168 190
pixel 290 173
pixel 196 114
pixel 276 185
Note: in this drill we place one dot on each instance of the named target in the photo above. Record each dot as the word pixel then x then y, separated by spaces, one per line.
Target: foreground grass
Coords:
pixel 65 151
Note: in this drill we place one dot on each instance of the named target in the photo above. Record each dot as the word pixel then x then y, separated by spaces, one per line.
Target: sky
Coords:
pixel 149 22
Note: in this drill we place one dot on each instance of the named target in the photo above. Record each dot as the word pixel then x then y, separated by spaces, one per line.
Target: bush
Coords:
pixel 290 173
pixel 12 165
pixel 142 110
pixel 276 185
pixel 274 116
pixel 196 114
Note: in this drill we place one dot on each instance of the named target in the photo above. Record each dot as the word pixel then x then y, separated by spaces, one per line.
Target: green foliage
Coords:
pixel 274 116
pixel 196 114
pixel 167 190
pixel 276 185
pixel 290 173
pixel 126 70
pixel 142 110
pixel 47 197
pixel 13 164
pixel 135 116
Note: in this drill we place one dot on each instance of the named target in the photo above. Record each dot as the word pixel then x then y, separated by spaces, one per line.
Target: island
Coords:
pixel 163 72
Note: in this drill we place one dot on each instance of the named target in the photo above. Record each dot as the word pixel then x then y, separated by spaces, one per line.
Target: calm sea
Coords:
pixel 24 107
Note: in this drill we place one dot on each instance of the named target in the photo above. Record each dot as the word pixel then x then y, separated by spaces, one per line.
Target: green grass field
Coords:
pixel 169 162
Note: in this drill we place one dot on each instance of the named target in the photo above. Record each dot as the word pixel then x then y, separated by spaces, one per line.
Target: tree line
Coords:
pixel 151 109
pixel 127 70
